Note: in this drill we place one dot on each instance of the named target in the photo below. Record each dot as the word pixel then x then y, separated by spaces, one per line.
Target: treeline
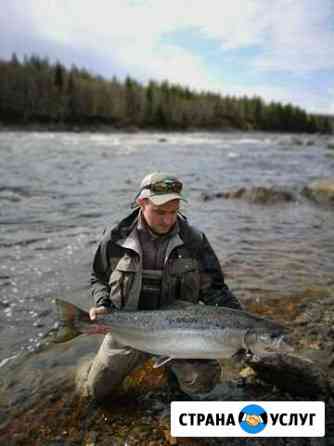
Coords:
pixel 37 91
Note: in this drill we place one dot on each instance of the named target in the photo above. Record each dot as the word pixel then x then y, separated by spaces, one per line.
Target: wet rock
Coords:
pixel 309 316
pixel 258 195
pixel 292 374
pixel 142 434
pixel 38 324
pixel 321 191
pixel 44 313
pixel 297 141
pixel 205 196
pixel 164 423
pixel 305 142
pixel 264 195
pixel 57 442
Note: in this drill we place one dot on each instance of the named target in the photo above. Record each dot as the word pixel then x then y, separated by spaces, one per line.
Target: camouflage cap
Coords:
pixel 160 188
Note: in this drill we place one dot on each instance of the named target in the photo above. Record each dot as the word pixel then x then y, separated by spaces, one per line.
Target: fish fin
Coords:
pixel 72 321
pixel 162 361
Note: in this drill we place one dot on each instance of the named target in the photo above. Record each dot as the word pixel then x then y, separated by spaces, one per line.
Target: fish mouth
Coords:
pixel 279 344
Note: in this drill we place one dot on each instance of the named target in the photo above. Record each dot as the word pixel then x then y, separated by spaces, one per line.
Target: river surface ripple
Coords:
pixel 59 190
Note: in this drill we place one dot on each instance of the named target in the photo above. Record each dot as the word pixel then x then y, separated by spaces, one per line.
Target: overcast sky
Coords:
pixel 281 50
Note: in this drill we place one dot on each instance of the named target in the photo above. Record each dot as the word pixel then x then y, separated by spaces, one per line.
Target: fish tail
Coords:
pixel 72 321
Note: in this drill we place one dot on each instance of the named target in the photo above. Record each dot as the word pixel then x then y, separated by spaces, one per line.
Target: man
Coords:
pixel 151 259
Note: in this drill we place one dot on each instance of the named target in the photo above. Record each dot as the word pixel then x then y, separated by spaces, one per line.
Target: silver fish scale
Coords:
pixel 198 317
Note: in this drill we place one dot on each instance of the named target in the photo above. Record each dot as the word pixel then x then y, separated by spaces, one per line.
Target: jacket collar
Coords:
pixel 131 242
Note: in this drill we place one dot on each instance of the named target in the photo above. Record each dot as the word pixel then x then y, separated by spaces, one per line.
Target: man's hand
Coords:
pixel 94 312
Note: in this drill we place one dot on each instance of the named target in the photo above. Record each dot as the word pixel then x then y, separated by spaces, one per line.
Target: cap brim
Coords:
pixel 158 200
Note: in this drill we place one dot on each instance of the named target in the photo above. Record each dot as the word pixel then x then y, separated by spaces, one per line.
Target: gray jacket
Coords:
pixel 191 269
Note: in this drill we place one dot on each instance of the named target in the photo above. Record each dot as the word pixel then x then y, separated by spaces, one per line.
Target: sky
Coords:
pixel 281 50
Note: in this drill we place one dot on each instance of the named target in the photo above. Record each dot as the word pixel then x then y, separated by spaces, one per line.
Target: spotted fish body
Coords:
pixel 195 331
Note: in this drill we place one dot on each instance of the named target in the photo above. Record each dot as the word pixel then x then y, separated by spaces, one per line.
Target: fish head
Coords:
pixel 261 342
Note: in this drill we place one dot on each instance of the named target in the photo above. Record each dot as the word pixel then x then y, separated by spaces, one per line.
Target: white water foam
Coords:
pixel 233 155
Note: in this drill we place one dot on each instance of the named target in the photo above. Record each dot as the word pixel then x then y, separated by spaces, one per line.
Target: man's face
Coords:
pixel 162 218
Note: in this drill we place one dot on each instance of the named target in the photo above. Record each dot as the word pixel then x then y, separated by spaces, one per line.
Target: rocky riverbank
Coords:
pixel 320 192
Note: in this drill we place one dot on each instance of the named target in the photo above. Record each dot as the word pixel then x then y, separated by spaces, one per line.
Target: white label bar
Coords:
pixel 248 419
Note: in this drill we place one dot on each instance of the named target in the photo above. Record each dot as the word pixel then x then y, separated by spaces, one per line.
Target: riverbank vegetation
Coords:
pixel 35 91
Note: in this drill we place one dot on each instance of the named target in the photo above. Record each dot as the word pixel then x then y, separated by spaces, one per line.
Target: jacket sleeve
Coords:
pixel 100 288
pixel 213 290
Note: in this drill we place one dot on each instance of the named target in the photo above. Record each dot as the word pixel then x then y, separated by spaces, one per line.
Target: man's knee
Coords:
pixel 109 368
pixel 197 376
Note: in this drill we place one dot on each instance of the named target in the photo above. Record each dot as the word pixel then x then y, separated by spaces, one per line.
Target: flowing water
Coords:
pixel 58 191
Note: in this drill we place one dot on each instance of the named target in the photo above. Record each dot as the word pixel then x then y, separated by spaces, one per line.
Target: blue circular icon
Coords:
pixel 253 419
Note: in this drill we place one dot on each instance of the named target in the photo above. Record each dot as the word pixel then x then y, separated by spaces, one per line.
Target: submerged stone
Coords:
pixel 257 195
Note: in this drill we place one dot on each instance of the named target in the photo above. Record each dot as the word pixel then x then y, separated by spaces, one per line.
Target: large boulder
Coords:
pixel 258 195
pixel 321 191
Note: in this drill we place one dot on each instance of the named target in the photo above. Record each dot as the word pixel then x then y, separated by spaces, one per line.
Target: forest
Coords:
pixel 36 91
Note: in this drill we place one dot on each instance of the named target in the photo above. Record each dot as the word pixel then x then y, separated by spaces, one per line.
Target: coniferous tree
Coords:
pixel 35 90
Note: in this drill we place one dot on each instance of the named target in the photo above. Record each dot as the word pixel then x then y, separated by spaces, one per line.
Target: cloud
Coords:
pixel 289 36
pixel 309 100
pixel 129 33
pixel 300 37
pixel 330 108
pixel 293 35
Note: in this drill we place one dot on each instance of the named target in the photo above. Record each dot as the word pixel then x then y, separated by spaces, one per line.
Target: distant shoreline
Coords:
pixel 104 128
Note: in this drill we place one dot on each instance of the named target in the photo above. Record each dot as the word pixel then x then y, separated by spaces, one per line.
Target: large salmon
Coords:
pixel 195 331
